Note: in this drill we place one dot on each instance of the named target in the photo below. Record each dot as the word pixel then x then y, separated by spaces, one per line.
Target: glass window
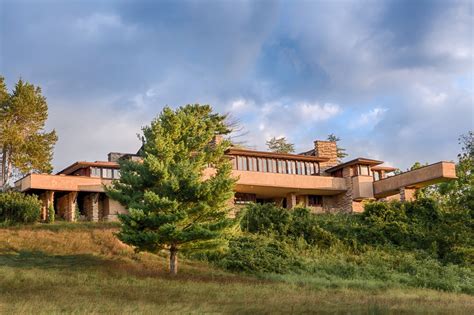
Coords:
pixel 116 174
pixel 309 168
pixel 291 167
pixel 315 201
pixel 95 172
pixel 316 168
pixel 376 175
pixel 106 173
pixel 252 164
pixel 281 167
pixel 242 198
pixel 262 165
pixel 272 166
pixel 364 170
pixel 242 163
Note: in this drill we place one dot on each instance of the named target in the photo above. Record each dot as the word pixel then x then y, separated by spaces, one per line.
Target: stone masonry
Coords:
pixel 326 149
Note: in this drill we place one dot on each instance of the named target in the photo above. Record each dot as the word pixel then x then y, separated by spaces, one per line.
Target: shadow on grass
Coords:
pixel 37 259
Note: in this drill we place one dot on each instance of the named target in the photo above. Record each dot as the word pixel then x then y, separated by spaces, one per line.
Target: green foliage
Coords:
pixel 171 206
pixel 265 218
pixel 341 152
pixel 51 214
pixel 24 145
pixel 280 145
pixel 16 207
pixel 258 253
pixel 405 244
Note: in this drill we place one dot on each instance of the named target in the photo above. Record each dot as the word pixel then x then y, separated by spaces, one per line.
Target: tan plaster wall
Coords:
pixel 362 187
pixel 418 178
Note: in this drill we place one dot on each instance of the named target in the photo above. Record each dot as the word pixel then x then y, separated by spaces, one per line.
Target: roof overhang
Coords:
pixel 363 161
pixel 83 164
pixel 274 155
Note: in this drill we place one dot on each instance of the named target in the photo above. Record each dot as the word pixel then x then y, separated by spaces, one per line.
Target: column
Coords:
pixel 290 200
pixel 91 204
pixel 407 194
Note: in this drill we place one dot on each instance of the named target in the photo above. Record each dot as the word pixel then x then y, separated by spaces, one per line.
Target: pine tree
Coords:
pixel 341 152
pixel 25 146
pixel 172 204
pixel 280 145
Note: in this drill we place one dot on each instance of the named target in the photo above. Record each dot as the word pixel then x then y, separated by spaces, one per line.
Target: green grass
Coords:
pixel 82 268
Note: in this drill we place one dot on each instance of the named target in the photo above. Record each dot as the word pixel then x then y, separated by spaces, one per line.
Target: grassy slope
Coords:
pixel 82 268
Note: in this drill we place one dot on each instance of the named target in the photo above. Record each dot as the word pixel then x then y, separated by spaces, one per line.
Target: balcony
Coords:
pixel 424 176
pixel 274 184
pixel 60 183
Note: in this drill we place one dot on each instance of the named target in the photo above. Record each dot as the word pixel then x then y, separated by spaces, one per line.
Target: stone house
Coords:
pixel 314 179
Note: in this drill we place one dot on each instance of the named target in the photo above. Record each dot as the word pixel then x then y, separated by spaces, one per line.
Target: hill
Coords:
pixel 83 268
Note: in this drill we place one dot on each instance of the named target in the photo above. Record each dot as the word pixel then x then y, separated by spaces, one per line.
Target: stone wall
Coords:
pixel 326 149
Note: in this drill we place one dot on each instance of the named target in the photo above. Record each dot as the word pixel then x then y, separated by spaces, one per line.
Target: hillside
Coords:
pixel 82 268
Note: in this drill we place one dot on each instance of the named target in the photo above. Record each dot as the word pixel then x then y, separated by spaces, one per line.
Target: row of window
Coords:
pixel 265 165
pixel 109 173
pixel 246 198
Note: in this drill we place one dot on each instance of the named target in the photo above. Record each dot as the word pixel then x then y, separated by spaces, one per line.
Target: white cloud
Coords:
pixel 316 112
pixel 97 24
pixel 369 119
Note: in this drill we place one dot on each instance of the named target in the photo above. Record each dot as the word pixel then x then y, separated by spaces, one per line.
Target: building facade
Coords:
pixel 314 179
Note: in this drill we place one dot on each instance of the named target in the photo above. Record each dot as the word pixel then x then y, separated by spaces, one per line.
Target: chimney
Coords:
pixel 216 140
pixel 326 149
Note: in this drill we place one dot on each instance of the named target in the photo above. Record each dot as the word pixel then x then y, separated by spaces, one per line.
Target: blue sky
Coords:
pixel 393 79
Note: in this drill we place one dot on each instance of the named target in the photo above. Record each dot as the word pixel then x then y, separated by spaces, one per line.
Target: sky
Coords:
pixel 392 79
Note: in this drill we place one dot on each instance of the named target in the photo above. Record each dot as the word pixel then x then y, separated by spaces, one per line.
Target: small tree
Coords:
pixel 24 145
pixel 341 152
pixel 280 145
pixel 172 204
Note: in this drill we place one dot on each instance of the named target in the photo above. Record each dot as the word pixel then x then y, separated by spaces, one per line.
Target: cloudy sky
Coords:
pixel 393 79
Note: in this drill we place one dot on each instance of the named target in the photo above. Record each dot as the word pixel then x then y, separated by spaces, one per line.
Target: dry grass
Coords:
pixel 85 269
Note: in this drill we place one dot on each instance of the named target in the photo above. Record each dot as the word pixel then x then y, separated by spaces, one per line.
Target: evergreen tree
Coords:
pixel 341 152
pixel 174 202
pixel 25 146
pixel 280 145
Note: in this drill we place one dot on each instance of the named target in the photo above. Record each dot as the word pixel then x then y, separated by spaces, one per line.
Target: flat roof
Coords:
pixel 287 156
pixel 384 168
pixel 359 160
pixel 83 164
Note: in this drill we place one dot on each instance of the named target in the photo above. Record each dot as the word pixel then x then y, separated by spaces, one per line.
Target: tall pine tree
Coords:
pixel 24 145
pixel 173 201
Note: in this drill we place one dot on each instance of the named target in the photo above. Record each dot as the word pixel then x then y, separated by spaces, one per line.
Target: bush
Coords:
pixel 257 254
pixel 51 214
pixel 16 207
pixel 266 218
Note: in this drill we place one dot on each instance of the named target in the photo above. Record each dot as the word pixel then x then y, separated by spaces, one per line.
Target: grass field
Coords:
pixel 82 268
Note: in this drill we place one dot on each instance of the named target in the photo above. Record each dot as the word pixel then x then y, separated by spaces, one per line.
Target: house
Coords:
pixel 314 179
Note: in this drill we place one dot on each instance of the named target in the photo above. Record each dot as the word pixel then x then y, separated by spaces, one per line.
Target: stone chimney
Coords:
pixel 326 149
pixel 216 140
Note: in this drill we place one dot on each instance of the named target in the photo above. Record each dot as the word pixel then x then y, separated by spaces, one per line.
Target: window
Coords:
pixel 262 165
pixel 272 166
pixel 106 173
pixel 116 174
pixel 364 170
pixel 376 175
pixel 252 163
pixel 315 201
pixel 281 166
pixel 291 167
pixel 242 163
pixel 309 168
pixel 95 172
pixel 242 198
pixel 298 168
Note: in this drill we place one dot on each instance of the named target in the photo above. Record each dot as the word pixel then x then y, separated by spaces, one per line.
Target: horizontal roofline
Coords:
pixel 83 164
pixel 245 152
pixel 384 168
pixel 359 160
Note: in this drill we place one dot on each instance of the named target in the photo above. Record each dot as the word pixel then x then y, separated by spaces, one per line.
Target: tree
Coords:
pixel 25 146
pixel 341 152
pixel 280 145
pixel 458 195
pixel 172 204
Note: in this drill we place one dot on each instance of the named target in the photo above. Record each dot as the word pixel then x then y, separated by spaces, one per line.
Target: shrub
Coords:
pixel 266 218
pixel 51 214
pixel 16 207
pixel 257 254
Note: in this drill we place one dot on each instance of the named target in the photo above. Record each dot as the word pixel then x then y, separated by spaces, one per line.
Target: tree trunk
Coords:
pixel 3 171
pixel 173 260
